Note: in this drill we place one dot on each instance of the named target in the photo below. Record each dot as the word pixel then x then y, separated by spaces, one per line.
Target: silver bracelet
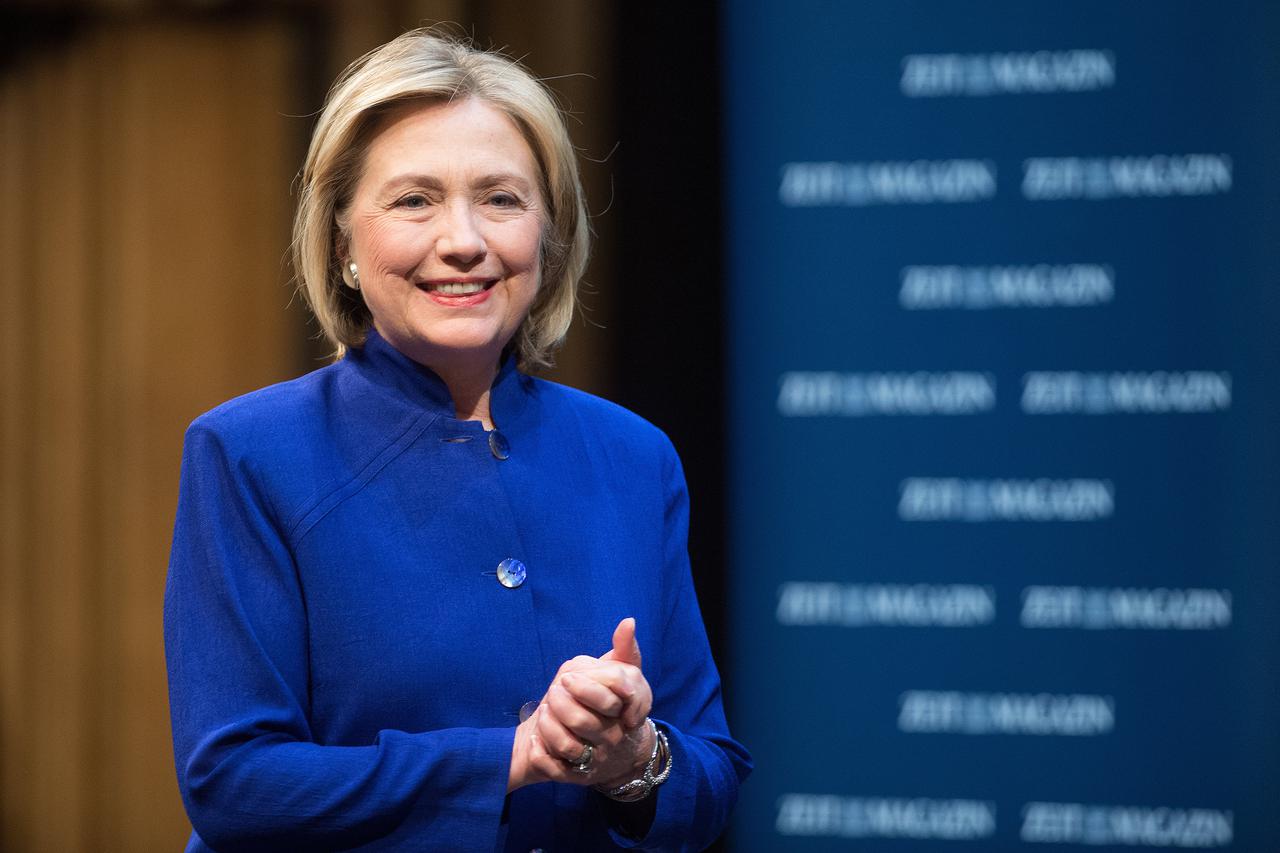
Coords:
pixel 639 788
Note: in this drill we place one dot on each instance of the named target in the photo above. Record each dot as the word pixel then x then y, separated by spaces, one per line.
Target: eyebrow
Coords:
pixel 431 181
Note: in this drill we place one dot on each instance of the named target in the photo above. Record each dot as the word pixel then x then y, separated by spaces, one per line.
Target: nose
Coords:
pixel 460 240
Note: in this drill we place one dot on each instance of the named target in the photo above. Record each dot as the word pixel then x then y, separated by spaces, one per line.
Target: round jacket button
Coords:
pixel 498 444
pixel 511 573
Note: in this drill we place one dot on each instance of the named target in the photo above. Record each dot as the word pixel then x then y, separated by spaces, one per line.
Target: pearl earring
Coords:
pixel 350 275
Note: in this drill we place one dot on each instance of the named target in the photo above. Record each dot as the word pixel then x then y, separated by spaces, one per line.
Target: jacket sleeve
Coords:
pixel 252 776
pixel 695 802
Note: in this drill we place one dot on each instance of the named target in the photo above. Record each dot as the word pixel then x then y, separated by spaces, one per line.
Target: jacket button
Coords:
pixel 511 573
pixel 498 444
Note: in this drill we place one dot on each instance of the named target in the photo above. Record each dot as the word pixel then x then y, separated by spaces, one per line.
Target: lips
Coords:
pixel 457 288
pixel 458 292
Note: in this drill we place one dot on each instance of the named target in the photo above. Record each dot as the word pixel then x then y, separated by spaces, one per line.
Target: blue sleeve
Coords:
pixel 695 803
pixel 252 776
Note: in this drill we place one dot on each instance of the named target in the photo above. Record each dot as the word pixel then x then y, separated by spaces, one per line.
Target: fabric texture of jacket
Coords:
pixel 345 668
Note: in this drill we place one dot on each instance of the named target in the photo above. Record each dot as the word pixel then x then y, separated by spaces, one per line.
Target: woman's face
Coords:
pixel 446 228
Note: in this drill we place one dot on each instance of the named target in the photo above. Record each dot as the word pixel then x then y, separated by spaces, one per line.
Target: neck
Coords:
pixel 469 386
pixel 467 374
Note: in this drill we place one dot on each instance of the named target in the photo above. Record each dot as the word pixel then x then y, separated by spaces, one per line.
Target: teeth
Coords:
pixel 455 288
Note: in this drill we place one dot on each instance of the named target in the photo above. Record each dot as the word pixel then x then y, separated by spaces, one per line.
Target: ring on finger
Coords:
pixel 583 762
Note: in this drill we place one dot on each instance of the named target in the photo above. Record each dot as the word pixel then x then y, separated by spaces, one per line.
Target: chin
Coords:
pixel 457 348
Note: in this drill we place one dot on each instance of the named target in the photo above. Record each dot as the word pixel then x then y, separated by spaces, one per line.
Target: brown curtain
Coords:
pixel 146 163
pixel 143 283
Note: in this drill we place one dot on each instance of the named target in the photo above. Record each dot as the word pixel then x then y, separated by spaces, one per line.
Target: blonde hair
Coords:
pixel 425 64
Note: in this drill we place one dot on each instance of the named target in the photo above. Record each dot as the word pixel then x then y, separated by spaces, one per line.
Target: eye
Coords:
pixel 412 202
pixel 504 200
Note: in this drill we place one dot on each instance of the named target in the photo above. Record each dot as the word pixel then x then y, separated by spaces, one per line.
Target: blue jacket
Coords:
pixel 346 670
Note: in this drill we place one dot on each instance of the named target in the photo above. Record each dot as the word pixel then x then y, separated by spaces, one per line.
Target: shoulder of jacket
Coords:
pixel 279 413
pixel 599 413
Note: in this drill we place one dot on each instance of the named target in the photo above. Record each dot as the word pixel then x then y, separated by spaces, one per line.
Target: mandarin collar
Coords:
pixel 385 365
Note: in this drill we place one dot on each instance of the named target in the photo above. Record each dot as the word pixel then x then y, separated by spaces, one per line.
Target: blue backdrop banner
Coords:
pixel 1005 348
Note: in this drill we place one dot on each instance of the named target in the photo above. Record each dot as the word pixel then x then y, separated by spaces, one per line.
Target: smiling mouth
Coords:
pixel 457 288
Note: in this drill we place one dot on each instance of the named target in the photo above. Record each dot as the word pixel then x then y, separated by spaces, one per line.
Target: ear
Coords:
pixel 342 234
pixel 341 246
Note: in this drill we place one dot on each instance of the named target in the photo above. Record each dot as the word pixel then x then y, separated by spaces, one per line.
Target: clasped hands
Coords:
pixel 600 701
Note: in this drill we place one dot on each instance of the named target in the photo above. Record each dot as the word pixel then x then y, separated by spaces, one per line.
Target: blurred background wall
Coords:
pixel 147 154
pixel 1006 425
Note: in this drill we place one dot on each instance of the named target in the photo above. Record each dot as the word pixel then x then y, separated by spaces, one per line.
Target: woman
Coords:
pixel 392 580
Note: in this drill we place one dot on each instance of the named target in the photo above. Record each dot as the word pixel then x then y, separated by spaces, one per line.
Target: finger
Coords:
pixel 576 663
pixel 521 771
pixel 628 683
pixel 582 722
pixel 547 766
pixel 616 759
pixel 625 648
pixel 593 694
pixel 558 740
pixel 620 678
pixel 639 707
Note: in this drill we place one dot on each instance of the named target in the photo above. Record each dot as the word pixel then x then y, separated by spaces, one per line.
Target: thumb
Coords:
pixel 625 648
